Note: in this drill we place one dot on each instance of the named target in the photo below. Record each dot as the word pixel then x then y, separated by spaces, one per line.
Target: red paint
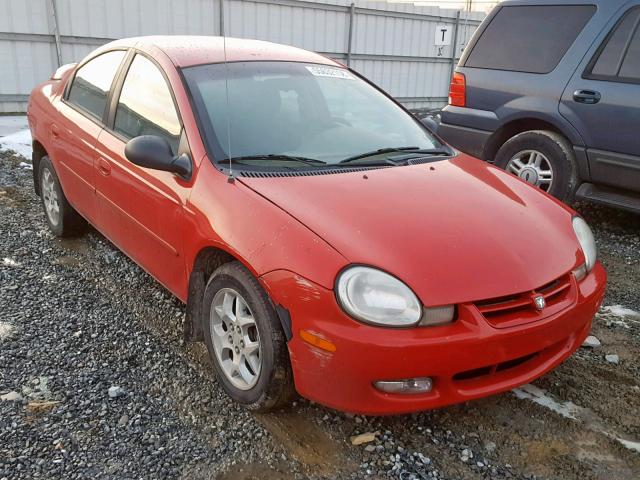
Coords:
pixel 458 231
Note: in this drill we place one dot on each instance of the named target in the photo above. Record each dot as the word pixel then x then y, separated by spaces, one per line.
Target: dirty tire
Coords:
pixel 558 151
pixel 70 223
pixel 274 388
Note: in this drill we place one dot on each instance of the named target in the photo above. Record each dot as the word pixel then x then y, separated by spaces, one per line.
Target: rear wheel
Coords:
pixel 245 340
pixel 542 158
pixel 63 220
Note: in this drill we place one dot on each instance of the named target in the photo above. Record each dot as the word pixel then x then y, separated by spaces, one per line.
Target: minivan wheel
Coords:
pixel 245 340
pixel 542 158
pixel 63 220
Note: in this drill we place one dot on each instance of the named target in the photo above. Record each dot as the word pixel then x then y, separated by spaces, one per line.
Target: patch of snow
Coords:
pixel 620 311
pixel 12 123
pixel 25 165
pixel 19 142
pixel 6 329
pixel 540 396
pixel 618 315
pixel 629 444
pixel 572 411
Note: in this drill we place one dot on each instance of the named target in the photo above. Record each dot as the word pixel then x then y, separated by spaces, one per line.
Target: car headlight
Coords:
pixel 374 296
pixel 587 244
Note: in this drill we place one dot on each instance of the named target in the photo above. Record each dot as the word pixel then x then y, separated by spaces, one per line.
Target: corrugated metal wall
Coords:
pixel 392 44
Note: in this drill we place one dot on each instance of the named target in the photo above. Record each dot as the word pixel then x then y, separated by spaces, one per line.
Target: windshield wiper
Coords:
pixel 412 150
pixel 277 157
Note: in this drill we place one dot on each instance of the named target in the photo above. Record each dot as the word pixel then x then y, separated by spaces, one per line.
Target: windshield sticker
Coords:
pixel 329 72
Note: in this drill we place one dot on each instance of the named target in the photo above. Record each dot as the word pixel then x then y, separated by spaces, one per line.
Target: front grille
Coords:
pixel 520 308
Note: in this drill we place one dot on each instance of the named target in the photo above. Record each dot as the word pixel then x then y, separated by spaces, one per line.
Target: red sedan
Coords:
pixel 324 240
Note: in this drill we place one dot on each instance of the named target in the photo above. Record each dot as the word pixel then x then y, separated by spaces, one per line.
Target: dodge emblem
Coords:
pixel 539 302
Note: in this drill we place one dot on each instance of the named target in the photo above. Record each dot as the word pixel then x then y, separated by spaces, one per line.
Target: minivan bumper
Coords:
pixel 468 140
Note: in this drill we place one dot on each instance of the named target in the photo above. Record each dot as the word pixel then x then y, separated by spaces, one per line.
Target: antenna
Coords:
pixel 226 89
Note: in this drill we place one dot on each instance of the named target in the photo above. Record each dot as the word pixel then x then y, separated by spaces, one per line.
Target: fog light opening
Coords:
pixel 405 387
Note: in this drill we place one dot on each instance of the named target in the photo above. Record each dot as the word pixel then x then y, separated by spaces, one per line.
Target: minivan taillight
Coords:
pixel 458 90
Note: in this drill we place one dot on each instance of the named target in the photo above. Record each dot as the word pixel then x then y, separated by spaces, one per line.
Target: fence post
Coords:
pixel 352 12
pixel 221 13
pixel 455 45
pixel 56 32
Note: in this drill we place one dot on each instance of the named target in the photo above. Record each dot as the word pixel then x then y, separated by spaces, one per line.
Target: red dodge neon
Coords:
pixel 323 239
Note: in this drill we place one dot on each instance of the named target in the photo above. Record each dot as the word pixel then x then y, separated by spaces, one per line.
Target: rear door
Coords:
pixel 602 101
pixel 75 131
pixel 140 209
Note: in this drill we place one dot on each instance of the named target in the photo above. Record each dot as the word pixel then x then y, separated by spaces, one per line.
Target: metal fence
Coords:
pixel 410 51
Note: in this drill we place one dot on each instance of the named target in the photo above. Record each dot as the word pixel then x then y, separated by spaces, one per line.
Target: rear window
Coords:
pixel 618 58
pixel 531 39
pixel 92 83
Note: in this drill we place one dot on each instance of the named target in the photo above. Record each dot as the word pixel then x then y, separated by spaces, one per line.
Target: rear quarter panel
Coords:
pixel 41 113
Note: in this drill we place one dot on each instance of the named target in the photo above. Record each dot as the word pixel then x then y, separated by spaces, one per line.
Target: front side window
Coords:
pixel 320 113
pixel 619 57
pixel 145 106
pixel 92 83
pixel 531 39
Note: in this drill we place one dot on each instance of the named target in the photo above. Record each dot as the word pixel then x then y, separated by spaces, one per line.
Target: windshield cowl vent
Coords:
pixel 421 160
pixel 305 173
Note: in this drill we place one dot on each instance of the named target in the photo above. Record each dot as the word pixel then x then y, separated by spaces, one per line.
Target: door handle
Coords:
pixel 589 97
pixel 104 167
pixel 55 133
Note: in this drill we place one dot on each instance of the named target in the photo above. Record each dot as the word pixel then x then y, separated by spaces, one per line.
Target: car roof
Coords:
pixel 189 50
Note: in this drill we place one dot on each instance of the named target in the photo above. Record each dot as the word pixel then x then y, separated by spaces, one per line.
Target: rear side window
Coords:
pixel 92 83
pixel 145 106
pixel 531 39
pixel 631 65
pixel 618 59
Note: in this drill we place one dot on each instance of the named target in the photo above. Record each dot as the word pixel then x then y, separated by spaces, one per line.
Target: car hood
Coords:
pixel 455 230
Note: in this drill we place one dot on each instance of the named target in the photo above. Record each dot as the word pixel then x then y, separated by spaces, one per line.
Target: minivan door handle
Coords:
pixel 590 97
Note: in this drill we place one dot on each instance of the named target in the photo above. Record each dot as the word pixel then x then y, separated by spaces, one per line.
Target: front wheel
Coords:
pixel 542 158
pixel 245 340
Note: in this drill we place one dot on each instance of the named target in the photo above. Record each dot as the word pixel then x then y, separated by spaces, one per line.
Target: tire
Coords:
pixel 557 153
pixel 66 222
pixel 272 386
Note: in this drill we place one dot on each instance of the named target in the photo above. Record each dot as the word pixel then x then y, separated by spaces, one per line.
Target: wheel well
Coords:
pixel 207 261
pixel 511 129
pixel 38 152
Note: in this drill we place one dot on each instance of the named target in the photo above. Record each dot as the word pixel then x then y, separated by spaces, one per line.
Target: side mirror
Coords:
pixel 152 151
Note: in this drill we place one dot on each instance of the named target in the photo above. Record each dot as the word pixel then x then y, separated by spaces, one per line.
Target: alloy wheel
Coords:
pixel 235 338
pixel 533 167
pixel 50 197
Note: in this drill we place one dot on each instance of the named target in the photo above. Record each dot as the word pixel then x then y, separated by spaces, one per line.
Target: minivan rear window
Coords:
pixel 531 39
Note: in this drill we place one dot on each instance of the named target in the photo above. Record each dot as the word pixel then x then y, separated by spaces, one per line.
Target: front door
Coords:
pixel 602 101
pixel 140 209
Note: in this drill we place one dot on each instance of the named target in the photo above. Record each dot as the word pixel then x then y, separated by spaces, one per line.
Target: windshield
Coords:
pixel 302 114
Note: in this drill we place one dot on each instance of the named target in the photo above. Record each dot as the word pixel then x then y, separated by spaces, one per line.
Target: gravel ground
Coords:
pixel 96 382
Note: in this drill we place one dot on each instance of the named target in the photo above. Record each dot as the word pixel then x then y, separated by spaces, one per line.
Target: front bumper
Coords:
pixel 454 356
